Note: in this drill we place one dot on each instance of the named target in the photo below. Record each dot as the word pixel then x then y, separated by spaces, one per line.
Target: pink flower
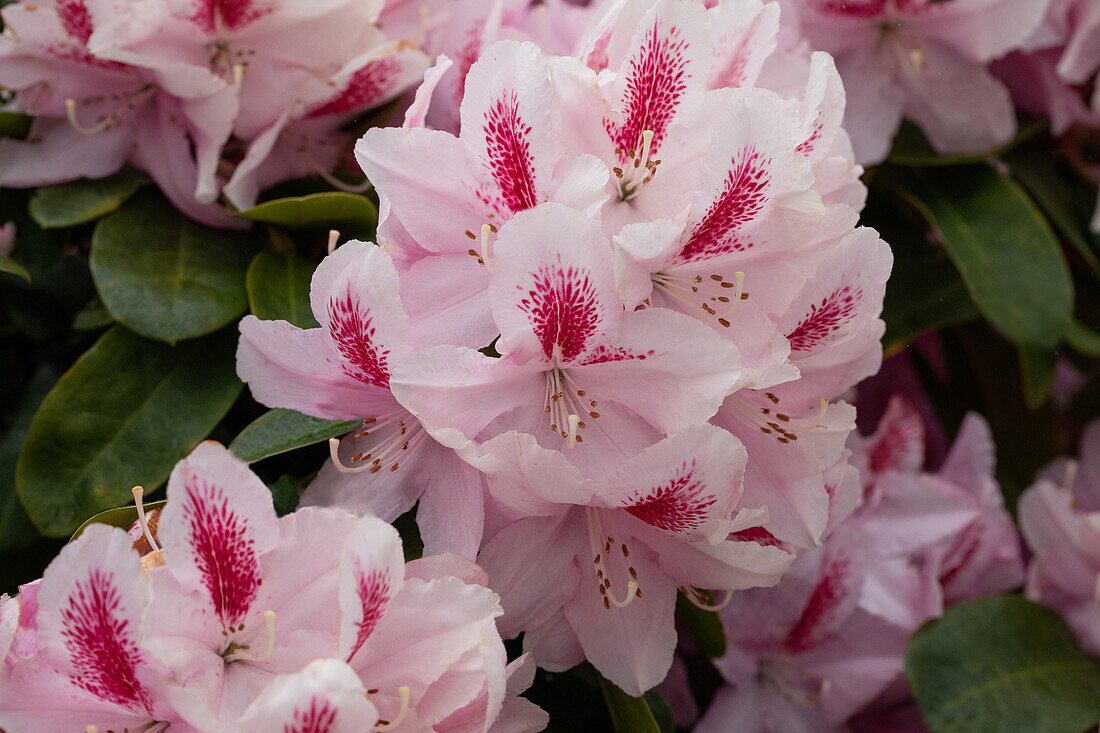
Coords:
pixel 342 370
pixel 92 114
pixel 922 60
pixel 1060 521
pixel 591 569
pixel 579 373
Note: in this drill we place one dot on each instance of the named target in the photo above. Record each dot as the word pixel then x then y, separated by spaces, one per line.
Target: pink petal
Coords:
pixel 531 480
pixel 325 697
pixel 372 572
pixel 218 523
pixel 451 514
pixel 744 35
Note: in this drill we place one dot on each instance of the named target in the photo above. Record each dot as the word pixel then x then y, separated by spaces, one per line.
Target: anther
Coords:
pixel 269 642
pixel 384 725
pixel 333 237
pixel 138 492
pixel 70 112
pixel 334 454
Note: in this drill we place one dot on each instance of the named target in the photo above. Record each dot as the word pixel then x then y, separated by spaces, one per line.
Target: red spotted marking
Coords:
pixel 319 717
pixel 373 589
pixel 899 441
pixel 465 59
pixel 966 546
pixel 851 8
pixel 75 19
pixel 369 86
pixel 351 328
pixel 101 643
pixel 563 310
pixel 215 16
pixel 825 599
pixel 807 146
pixel 742 198
pixel 508 151
pixel 678 506
pixel 825 319
pixel 603 354
pixel 224 549
pixel 759 535
pixel 656 79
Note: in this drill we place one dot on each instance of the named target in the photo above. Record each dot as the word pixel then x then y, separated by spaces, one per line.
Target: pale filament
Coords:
pixel 70 112
pixel 408 435
pixel 333 180
pixel 640 170
pixel 808 698
pixel 689 290
pixel 242 653
pixel 238 77
pixel 698 601
pixel 91 729
pixel 910 60
pixel 1070 476
pixel 333 238
pixel 567 406
pixel 109 119
pixel 485 249
pixel 384 725
pixel 739 289
pixel 601 549
pixel 138 493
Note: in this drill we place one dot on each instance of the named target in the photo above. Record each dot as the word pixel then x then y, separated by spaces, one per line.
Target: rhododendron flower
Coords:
pixel 76 657
pixel 1060 519
pixel 342 370
pixel 578 372
pixel 924 61
pixel 591 569
pixel 92 114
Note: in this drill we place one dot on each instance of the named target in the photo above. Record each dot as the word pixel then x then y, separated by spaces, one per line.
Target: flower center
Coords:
pixel 567 406
pixel 639 171
pixel 243 652
pixel 385 725
pixel 127 103
pixel 713 294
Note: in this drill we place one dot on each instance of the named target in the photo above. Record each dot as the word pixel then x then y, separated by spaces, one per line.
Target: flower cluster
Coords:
pixel 603 327
pixel 830 638
pixel 221 626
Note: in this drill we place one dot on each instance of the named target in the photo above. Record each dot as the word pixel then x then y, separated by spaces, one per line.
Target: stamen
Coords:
pixel 138 492
pixel 333 236
pixel 739 285
pixel 91 729
pixel 821 413
pixel 333 180
pixel 1070 476
pixel 632 592
pixel 384 725
pixel 70 112
pixel 269 642
pixel 485 229
pixel 641 169
pixel 334 454
pixel 238 77
pixel 697 600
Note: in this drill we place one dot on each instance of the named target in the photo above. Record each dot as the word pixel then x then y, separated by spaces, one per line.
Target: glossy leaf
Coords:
pixel 7 264
pixel 286 491
pixel 281 430
pixel 84 200
pixel 122 517
pixel 1037 371
pixel 124 414
pixel 353 215
pixel 1004 250
pixel 628 714
pixel 705 626
pixel 16 528
pixel 1001 665
pixel 278 288
pixel 165 276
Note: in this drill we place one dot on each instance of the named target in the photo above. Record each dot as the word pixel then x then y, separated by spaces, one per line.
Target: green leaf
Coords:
pixel 124 414
pixel 628 714
pixel 84 200
pixel 165 276
pixel 16 528
pixel 278 288
pixel 1083 339
pixel 662 713
pixel 411 542
pixel 92 316
pixel 1037 372
pixel 1067 208
pixel 1004 250
pixel 281 430
pixel 286 491
pixel 353 215
pixel 705 626
pixel 912 148
pixel 14 125
pixel 1001 665
pixel 7 264
pixel 122 517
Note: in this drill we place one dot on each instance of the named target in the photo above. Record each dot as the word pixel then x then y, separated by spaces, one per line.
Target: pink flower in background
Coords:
pixel 591 569
pixel 342 371
pixel 924 61
pixel 1060 520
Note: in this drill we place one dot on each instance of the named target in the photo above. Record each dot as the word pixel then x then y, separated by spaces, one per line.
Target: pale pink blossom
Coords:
pixel 578 372
pixel 1060 520
pixel 922 60
pixel 342 370
pixel 590 569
